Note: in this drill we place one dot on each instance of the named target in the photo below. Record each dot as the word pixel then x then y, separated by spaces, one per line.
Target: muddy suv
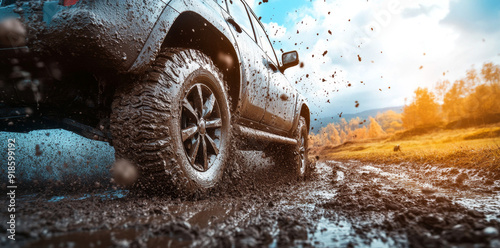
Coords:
pixel 172 85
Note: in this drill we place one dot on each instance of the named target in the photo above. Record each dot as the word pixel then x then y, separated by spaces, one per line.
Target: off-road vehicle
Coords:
pixel 170 84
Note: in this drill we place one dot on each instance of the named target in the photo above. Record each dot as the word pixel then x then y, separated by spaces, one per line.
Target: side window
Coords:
pixel 239 13
pixel 265 44
pixel 222 4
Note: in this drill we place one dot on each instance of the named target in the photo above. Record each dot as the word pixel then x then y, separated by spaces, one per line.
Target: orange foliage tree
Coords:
pixel 453 102
pixel 357 129
pixel 423 111
pixel 390 121
pixel 332 134
pixel 474 96
pixel 375 130
pixel 358 134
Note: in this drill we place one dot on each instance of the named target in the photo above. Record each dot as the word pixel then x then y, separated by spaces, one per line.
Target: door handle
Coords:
pixel 237 27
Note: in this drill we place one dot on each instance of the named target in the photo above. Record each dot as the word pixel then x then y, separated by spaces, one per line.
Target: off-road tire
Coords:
pixel 293 157
pixel 148 116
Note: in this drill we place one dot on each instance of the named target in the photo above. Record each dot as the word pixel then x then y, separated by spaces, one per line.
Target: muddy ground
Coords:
pixel 344 204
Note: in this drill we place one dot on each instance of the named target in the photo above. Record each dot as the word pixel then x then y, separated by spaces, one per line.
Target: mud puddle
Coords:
pixel 338 231
pixel 400 209
pixel 469 197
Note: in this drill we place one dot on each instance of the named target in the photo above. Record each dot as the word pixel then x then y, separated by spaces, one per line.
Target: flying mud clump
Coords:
pixel 124 173
pixel 12 33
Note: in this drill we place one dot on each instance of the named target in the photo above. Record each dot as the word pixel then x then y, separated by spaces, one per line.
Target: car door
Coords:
pixel 254 73
pixel 281 96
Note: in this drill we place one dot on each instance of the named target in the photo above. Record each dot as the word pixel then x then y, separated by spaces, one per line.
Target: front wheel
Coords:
pixel 175 125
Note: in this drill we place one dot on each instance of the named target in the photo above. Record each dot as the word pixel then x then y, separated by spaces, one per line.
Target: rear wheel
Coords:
pixel 175 125
pixel 302 148
pixel 293 157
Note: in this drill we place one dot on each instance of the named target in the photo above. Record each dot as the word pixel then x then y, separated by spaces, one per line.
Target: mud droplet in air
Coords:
pixel 124 173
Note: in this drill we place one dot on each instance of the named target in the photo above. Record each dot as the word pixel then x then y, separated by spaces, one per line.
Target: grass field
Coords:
pixel 464 148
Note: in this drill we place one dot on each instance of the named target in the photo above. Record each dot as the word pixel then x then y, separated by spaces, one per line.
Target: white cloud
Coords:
pixel 274 30
pixel 391 54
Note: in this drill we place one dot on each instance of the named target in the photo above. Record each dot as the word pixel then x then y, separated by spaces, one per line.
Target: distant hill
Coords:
pixel 322 122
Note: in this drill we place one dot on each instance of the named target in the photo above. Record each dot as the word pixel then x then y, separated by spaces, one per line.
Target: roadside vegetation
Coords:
pixel 454 124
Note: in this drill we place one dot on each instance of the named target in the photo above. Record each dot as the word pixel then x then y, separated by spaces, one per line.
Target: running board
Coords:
pixel 262 135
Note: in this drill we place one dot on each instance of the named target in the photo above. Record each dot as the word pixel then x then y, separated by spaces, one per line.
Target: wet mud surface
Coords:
pixel 344 204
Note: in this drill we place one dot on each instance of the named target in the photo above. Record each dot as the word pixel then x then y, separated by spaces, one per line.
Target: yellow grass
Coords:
pixel 465 148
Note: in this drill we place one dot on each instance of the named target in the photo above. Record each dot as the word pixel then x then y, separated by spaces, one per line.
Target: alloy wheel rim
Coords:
pixel 302 153
pixel 201 127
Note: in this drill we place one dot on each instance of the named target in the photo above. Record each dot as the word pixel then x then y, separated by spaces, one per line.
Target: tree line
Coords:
pixel 474 98
pixel 337 133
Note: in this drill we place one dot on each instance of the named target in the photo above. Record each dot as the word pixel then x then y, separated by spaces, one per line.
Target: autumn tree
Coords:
pixel 474 96
pixel 487 95
pixel 390 121
pixel 314 140
pixel 423 111
pixel 358 133
pixel 332 134
pixel 394 127
pixel 491 73
pixel 343 124
pixel 375 130
pixel 484 99
pixel 354 123
pixel 343 136
pixel 440 89
pixel 453 102
pixel 409 116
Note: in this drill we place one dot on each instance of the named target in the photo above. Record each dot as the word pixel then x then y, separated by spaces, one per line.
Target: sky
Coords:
pixel 379 51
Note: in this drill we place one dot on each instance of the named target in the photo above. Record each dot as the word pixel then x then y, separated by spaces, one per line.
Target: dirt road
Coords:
pixel 347 204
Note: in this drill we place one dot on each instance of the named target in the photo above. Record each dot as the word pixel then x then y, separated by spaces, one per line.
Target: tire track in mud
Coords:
pixel 399 210
pixel 464 186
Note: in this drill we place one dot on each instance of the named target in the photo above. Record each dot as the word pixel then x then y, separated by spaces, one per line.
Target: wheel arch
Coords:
pixel 304 112
pixel 191 30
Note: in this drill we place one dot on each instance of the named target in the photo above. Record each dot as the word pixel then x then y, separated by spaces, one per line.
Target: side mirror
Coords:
pixel 289 59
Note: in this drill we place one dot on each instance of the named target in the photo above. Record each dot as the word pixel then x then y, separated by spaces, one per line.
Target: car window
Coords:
pixel 265 44
pixel 240 15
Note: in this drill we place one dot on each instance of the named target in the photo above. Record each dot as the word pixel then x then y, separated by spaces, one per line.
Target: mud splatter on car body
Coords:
pixel 163 81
